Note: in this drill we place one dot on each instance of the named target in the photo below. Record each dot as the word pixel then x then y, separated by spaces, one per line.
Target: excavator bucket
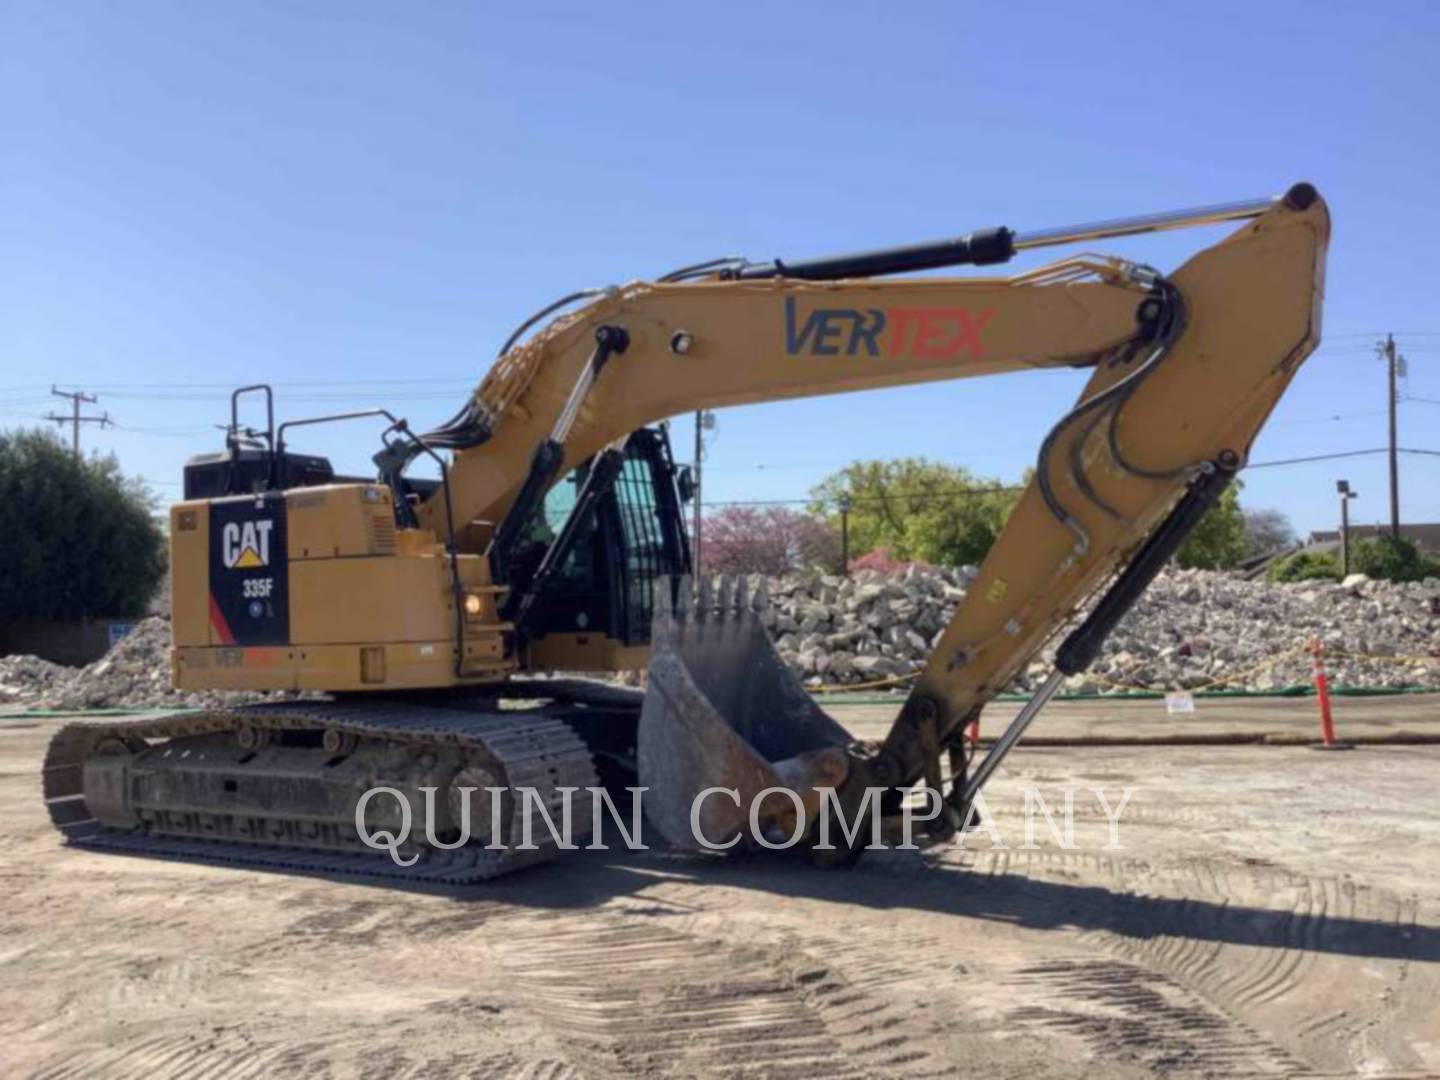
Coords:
pixel 723 712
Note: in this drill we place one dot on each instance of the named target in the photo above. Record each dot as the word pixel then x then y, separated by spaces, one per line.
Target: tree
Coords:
pixel 1267 530
pixel 1218 541
pixel 917 509
pixel 767 540
pixel 80 540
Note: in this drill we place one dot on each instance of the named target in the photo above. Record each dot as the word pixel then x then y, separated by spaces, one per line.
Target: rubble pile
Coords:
pixel 864 628
pixel 28 678
pixel 1191 629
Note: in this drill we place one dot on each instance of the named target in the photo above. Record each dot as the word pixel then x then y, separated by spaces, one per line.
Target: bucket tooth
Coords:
pixel 722 711
pixel 724 595
pixel 760 597
pixel 662 619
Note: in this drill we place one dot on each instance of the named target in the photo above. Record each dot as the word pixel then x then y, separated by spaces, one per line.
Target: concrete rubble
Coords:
pixel 1190 629
pixel 135 673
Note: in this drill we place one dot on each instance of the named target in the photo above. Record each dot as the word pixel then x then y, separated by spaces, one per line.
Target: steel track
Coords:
pixel 532 750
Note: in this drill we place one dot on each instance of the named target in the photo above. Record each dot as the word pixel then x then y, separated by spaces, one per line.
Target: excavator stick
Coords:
pixel 723 713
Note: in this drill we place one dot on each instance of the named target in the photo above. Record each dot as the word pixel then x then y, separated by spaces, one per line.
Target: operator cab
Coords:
pixel 634 535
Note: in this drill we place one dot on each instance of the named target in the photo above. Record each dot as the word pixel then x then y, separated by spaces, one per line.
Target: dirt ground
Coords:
pixel 1272 911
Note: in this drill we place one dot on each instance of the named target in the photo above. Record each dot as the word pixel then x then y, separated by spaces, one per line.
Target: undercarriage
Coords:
pixel 285 785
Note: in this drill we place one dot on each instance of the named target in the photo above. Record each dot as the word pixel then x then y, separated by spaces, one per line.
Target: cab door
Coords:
pixel 635 535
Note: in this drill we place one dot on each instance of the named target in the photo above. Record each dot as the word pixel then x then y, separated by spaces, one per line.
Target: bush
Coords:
pixel 883 561
pixel 79 540
pixel 1391 558
pixel 1305 566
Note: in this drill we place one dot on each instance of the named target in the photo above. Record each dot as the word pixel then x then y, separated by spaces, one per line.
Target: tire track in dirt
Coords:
pixel 633 993
pixel 1307 910
pixel 869 954
pixel 1154 1001
pixel 543 1070
pixel 1126 1011
pixel 237 1053
pixel 1025 863
pixel 161 1055
pixel 177 1024
pixel 1085 809
pixel 1210 900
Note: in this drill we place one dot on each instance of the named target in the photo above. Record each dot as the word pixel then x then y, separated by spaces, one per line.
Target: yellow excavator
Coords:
pixel 419 623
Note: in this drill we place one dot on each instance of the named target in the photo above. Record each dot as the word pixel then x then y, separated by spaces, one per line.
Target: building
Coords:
pixel 1425 537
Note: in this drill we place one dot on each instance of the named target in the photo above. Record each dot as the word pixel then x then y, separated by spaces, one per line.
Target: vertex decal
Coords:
pixel 249 571
pixel 925 333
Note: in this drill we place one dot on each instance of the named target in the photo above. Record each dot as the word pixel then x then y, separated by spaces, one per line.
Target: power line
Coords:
pixel 1372 334
pixel 193 384
pixel 163 433
pixel 948 456
pixel 856 500
pixel 1012 488
pixel 469 379
pixel 1337 417
pixel 1314 457
pixel 359 395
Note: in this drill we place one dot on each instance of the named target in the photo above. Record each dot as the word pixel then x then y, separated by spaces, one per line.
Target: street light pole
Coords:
pixel 699 453
pixel 704 421
pixel 1343 487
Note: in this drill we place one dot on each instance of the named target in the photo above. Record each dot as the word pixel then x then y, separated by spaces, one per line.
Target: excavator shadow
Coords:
pixel 919 884
pixel 912 881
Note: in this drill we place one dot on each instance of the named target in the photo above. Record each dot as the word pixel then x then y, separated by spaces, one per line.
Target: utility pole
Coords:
pixel 1391 363
pixel 845 534
pixel 75 419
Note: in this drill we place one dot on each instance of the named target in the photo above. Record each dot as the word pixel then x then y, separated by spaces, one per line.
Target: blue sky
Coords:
pixel 357 200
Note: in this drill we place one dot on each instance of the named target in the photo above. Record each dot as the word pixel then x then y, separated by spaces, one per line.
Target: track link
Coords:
pixel 531 749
